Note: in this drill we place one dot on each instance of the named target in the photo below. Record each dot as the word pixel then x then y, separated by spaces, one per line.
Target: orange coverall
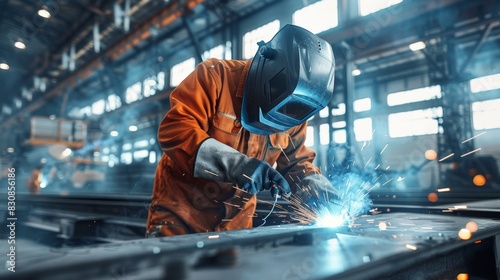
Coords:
pixel 208 104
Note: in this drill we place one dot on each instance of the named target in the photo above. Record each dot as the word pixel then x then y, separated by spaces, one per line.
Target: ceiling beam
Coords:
pixel 161 19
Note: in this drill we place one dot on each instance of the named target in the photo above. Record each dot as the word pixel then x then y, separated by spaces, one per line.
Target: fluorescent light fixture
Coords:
pixel 132 128
pixel 4 66
pixel 114 133
pixel 417 46
pixel 356 72
pixel 20 45
pixel 44 13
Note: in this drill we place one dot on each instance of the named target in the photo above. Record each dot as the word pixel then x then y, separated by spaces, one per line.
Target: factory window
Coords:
pixel 416 95
pixel 160 80
pixel 86 111
pixel 6 110
pixel 485 114
pixel 220 52
pixel 127 146
pixel 340 136
pixel 485 83
pixel 18 103
pixel 323 12
pixel 140 154
pixel 362 105
pixel 324 132
pixel 309 136
pixel 339 111
pixel 363 129
pixel 149 86
pixel 339 133
pixel 141 144
pixel 371 6
pixel 411 123
pixel 181 70
pixel 114 102
pixel 324 112
pixel 133 93
pixel 113 160
pixel 264 33
pixel 126 158
pixel 152 157
pixel 98 107
pixel 340 124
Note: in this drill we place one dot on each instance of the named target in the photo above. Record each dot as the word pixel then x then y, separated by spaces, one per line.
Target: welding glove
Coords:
pixel 317 190
pixel 220 162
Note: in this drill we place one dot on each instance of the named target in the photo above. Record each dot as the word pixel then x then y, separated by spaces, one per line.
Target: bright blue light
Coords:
pixel 329 220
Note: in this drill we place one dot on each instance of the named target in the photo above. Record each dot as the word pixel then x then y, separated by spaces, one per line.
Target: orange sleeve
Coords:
pixel 185 125
pixel 298 161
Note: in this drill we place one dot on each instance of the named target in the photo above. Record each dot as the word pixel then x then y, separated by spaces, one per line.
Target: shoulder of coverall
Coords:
pixel 231 67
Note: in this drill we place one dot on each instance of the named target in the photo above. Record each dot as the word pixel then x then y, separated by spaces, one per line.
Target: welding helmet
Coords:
pixel 290 79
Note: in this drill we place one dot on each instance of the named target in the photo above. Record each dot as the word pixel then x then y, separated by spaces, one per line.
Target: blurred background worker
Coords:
pixel 34 181
pixel 230 121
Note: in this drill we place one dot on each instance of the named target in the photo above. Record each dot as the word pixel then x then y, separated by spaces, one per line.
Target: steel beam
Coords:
pixel 163 18
pixel 478 45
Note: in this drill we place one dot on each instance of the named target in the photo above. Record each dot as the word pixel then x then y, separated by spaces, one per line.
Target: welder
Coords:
pixel 236 128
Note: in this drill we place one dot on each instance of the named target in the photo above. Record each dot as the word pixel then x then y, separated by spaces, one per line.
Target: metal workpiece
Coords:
pixel 383 246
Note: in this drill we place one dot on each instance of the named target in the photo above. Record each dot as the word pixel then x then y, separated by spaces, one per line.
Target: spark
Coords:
pixel 232 205
pixel 388 167
pixel 448 156
pixel 377 178
pixel 411 247
pixel 464 234
pixel 387 182
pixel 467 140
pixel 382 226
pixel 284 153
pixel 444 190
pixel 248 177
pixel 460 206
pixel 211 173
pixel 291 141
pixel 473 151
pixel 213 236
pixel 385 147
pixel 367 162
pixel 376 167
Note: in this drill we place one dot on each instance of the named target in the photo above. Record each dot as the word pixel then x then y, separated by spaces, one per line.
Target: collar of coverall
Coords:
pixel 243 79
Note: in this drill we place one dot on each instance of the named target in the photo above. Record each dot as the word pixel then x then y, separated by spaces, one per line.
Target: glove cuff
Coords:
pixel 214 159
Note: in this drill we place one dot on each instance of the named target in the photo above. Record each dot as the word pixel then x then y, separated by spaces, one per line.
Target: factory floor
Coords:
pixel 383 246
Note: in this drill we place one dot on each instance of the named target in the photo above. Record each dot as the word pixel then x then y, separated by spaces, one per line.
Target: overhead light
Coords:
pixel 114 133
pixel 44 13
pixel 66 153
pixel 20 45
pixel 132 128
pixel 4 66
pixel 356 72
pixel 417 46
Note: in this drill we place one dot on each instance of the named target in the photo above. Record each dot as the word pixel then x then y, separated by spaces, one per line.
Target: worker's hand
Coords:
pixel 253 175
pixel 220 162
pixel 316 190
